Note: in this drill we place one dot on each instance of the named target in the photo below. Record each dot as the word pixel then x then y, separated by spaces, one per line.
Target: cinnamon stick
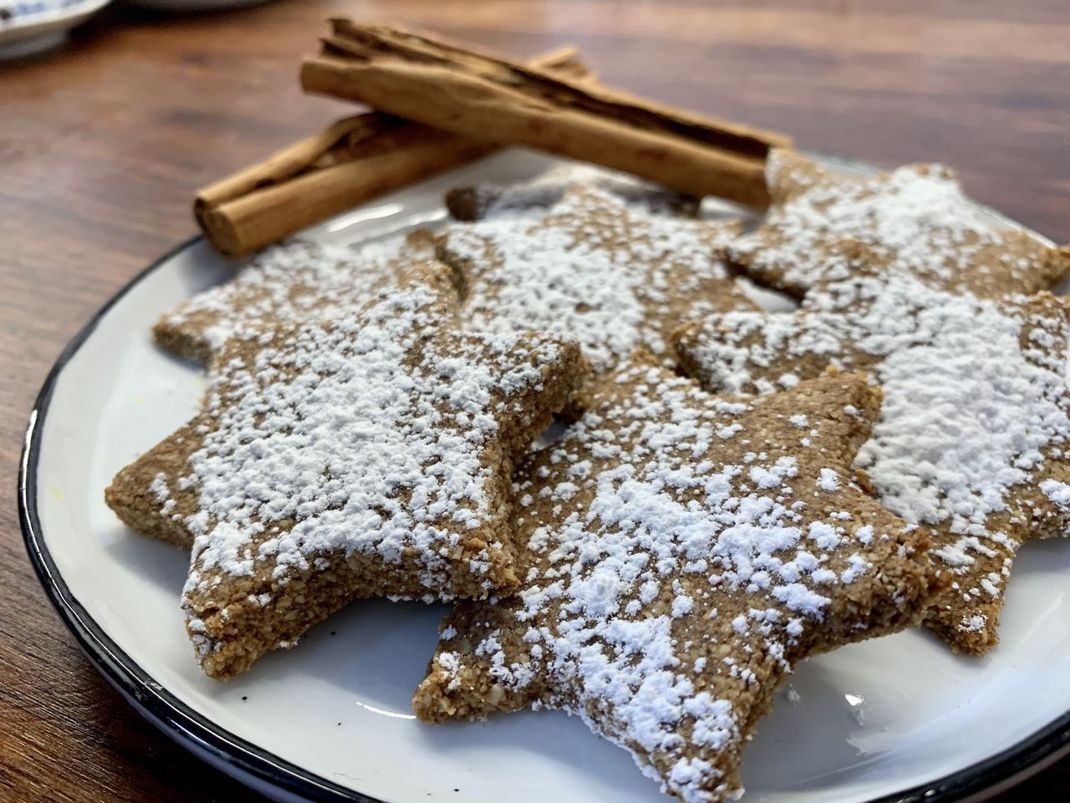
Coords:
pixel 353 160
pixel 479 95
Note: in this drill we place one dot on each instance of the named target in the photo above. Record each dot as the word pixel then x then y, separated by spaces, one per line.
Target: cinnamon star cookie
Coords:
pixel 528 198
pixel 363 454
pixel 681 553
pixel 972 437
pixel 591 268
pixel 823 225
pixel 287 283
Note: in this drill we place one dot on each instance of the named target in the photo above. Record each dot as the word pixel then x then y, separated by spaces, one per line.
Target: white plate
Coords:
pixel 898 718
pixel 36 25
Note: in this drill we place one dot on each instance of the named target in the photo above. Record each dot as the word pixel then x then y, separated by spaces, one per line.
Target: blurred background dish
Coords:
pixel 194 5
pixel 31 26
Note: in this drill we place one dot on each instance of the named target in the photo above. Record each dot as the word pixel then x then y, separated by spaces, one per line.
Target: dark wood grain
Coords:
pixel 103 143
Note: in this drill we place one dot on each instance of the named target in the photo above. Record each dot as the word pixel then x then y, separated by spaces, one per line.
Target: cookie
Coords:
pixel 682 553
pixel 529 198
pixel 285 283
pixel 591 268
pixel 972 437
pixel 823 226
pixel 362 454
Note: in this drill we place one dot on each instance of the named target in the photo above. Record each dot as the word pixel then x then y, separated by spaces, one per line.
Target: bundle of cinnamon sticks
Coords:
pixel 440 105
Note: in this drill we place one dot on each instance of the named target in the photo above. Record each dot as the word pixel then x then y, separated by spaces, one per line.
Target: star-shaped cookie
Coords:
pixel 823 225
pixel 613 277
pixel 529 198
pixel 287 283
pixel 364 454
pixel 682 553
pixel 972 437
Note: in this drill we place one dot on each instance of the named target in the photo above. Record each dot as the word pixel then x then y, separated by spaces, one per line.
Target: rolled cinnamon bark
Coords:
pixel 474 94
pixel 353 160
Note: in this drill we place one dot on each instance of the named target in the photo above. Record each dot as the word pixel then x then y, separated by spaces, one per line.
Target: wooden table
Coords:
pixel 103 143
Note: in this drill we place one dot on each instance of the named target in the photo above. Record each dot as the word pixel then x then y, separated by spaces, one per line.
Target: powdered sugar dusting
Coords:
pixel 829 480
pixel 966 418
pixel 1058 492
pixel 915 220
pixel 286 284
pixel 670 581
pixel 613 278
pixel 159 488
pixel 358 434
pixel 968 411
pixel 161 492
pixel 974 413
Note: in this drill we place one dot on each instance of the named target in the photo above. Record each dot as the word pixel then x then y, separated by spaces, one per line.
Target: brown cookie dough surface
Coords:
pixel 824 225
pixel 362 453
pixel 681 553
pixel 286 284
pixel 530 198
pixel 972 436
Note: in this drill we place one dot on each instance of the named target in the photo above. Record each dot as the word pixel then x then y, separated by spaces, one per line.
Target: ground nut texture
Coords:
pixel 362 453
pixel 286 283
pixel 681 553
pixel 915 220
pixel 612 277
pixel 972 436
